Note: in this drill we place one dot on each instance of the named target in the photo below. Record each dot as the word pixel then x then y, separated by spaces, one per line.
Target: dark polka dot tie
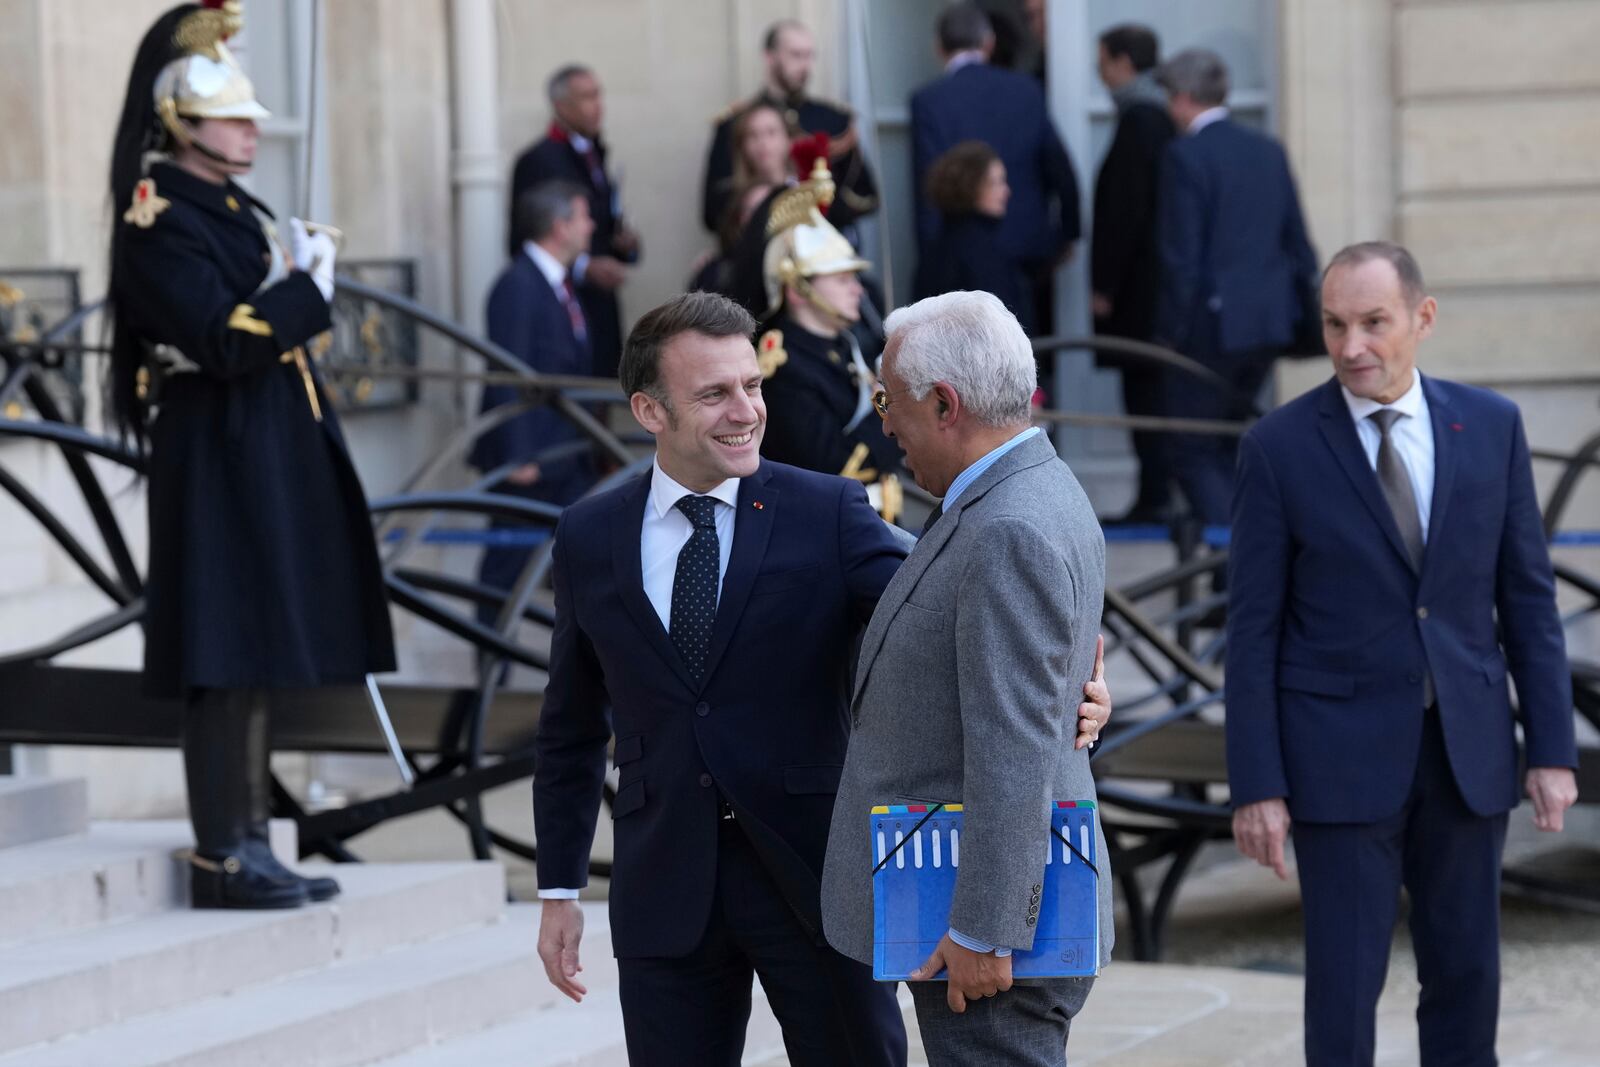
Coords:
pixel 694 585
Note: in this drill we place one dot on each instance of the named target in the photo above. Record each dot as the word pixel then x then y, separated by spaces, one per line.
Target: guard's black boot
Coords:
pixel 258 844
pixel 216 757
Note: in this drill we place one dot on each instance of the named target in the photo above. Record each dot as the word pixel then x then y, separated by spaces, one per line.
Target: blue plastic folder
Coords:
pixel 916 852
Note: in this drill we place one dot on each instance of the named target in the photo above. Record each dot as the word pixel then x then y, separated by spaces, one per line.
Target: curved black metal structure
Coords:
pixel 1160 765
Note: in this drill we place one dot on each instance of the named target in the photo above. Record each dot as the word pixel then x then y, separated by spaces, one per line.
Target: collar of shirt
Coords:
pixel 548 265
pixel 1410 402
pixel 972 473
pixel 1206 118
pixel 665 492
pixel 579 142
pixel 968 58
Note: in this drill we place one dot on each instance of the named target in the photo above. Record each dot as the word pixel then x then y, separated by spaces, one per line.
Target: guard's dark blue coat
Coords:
pixel 263 570
pixel 766 727
pixel 811 396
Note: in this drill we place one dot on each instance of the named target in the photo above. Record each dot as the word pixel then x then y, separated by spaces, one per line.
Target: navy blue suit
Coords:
pixel 1005 110
pixel 1330 633
pixel 554 158
pixel 1235 268
pixel 527 319
pixel 765 731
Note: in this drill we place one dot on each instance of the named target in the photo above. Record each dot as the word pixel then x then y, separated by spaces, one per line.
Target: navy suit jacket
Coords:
pixel 766 727
pixel 1330 628
pixel 1236 265
pixel 527 319
pixel 1006 111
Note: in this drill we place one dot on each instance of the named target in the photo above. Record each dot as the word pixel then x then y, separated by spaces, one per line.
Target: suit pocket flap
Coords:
pixel 1494 669
pixel 922 618
pixel 778 581
pixel 1310 680
pixel 819 779
pixel 629 749
pixel 630 798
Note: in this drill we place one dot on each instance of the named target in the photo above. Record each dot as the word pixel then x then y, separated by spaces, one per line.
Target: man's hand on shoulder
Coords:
pixel 1260 829
pixel 973 975
pixel 560 930
pixel 1553 790
pixel 1095 711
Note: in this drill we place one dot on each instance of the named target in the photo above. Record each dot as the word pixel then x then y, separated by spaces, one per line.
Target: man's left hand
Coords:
pixel 1094 712
pixel 973 975
pixel 1553 790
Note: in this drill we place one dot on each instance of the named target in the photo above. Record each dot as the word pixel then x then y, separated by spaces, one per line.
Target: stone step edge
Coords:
pixel 97 977
pixel 347 1015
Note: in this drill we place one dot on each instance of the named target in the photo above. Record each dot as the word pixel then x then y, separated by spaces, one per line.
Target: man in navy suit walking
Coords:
pixel 534 314
pixel 713 603
pixel 1388 569
pixel 976 101
pixel 1236 267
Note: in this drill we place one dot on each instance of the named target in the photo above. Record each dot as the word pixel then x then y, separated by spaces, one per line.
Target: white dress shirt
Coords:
pixel 664 532
pixel 1206 118
pixel 549 266
pixel 1412 437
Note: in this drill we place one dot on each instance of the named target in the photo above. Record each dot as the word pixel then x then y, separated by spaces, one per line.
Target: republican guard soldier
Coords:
pixel 263 575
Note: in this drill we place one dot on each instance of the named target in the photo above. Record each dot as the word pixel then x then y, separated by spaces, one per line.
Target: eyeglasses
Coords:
pixel 880 400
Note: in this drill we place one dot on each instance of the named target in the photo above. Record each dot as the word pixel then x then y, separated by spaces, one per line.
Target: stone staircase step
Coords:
pixel 38 809
pixel 564 1034
pixel 95 977
pixel 348 1014
pixel 110 872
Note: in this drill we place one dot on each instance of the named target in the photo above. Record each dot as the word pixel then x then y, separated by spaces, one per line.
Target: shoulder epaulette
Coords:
pixel 146 204
pixel 770 354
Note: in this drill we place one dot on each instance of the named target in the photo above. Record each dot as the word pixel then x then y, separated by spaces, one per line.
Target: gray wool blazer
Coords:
pixel 970 676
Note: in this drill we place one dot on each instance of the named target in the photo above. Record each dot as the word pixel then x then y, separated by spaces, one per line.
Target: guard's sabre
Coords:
pixel 381 713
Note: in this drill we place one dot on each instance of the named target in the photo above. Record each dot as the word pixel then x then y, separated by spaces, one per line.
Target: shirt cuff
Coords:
pixel 972 944
pixel 580 267
pixel 558 894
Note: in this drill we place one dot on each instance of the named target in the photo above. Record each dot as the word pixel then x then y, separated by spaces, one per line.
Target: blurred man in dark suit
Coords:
pixel 535 314
pixel 1125 259
pixel 976 101
pixel 1235 266
pixel 790 51
pixel 573 151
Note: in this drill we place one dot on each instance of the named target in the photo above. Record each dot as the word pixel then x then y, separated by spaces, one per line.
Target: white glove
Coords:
pixel 313 253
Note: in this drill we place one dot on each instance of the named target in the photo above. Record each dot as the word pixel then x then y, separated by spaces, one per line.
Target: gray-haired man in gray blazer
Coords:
pixel 969 674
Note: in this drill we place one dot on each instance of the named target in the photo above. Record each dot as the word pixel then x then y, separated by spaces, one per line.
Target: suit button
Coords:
pixel 705 781
pixel 1422 613
pixel 702 709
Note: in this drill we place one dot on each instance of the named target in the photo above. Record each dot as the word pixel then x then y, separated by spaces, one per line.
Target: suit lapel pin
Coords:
pixel 757 504
pixel 1456 426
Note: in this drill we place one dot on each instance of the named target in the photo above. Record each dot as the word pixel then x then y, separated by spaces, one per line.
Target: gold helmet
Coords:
pixel 802 244
pixel 205 81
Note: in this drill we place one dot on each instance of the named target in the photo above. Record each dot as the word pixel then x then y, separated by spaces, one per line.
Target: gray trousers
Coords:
pixel 1026 1026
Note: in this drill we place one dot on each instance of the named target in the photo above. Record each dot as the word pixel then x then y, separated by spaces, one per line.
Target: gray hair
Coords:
pixel 560 82
pixel 540 208
pixel 969 341
pixel 1197 72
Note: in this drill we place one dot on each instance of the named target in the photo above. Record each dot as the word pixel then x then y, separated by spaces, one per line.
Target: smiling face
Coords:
pixel 710 428
pixel 1372 330
pixel 920 427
